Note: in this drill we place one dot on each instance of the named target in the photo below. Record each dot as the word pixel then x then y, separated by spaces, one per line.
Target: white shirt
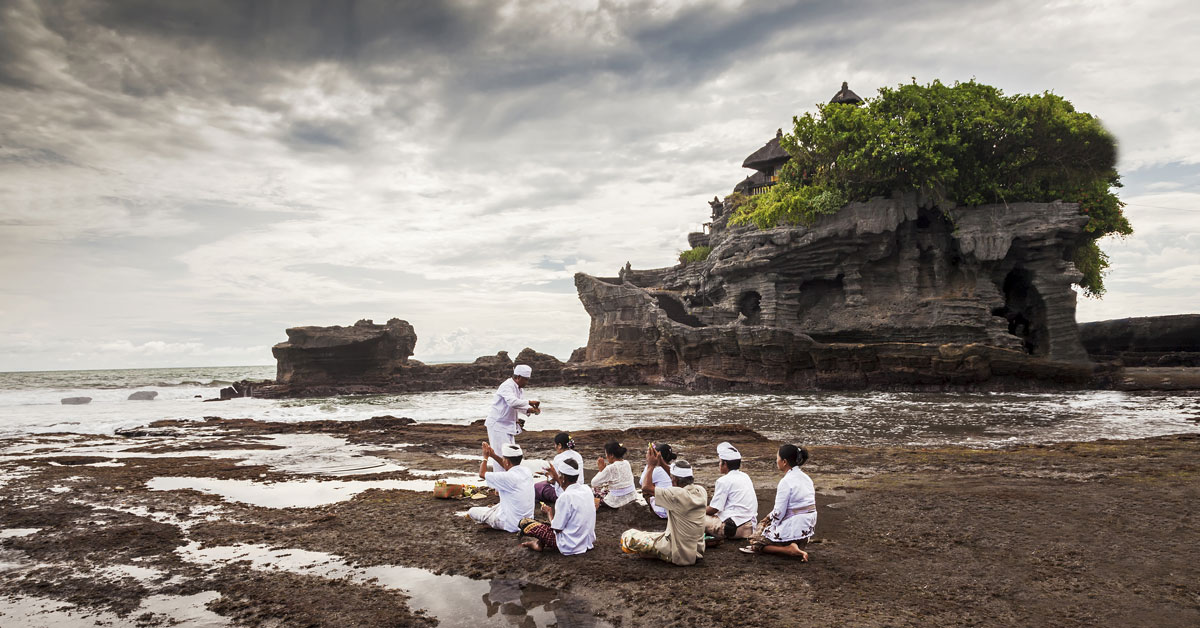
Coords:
pixel 733 495
pixel 515 487
pixel 660 479
pixel 574 520
pixel 573 455
pixel 505 405
pixel 795 492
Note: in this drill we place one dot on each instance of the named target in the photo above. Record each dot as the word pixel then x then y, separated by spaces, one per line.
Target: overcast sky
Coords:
pixel 180 182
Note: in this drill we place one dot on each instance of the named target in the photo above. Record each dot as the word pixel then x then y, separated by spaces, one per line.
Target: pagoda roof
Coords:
pixel 845 96
pixel 770 154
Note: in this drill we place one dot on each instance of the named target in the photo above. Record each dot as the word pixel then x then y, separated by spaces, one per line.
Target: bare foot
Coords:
pixel 533 544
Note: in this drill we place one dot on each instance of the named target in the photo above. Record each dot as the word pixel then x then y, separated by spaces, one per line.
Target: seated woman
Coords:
pixel 564 448
pixel 613 485
pixel 659 475
pixel 791 523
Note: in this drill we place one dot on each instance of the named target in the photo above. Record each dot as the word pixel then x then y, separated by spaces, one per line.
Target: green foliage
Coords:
pixel 786 204
pixel 736 200
pixel 697 254
pixel 965 143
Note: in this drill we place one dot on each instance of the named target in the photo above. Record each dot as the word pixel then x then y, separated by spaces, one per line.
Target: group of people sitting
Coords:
pixel 668 484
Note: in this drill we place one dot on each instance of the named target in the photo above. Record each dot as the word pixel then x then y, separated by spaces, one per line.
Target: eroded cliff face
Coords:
pixel 887 292
pixel 363 352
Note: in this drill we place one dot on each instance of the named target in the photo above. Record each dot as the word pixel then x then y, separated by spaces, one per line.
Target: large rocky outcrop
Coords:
pixel 1166 341
pixel 375 359
pixel 891 292
pixel 364 352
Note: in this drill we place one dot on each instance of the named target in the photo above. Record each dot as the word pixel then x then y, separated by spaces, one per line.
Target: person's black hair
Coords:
pixel 614 449
pixel 570 479
pixel 515 460
pixel 732 465
pixel 665 450
pixel 564 439
pixel 793 455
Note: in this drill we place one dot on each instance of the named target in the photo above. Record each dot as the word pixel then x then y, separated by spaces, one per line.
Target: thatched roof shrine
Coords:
pixel 845 96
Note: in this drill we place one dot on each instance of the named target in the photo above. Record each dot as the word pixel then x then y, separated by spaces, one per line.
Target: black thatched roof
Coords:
pixel 751 182
pixel 770 155
pixel 845 96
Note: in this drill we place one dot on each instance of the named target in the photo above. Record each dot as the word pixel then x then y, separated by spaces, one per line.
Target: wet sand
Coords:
pixel 1072 534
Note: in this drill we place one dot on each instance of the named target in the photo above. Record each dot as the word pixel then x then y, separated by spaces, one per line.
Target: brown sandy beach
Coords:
pixel 1071 534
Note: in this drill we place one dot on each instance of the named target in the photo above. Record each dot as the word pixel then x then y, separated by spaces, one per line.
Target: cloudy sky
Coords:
pixel 180 181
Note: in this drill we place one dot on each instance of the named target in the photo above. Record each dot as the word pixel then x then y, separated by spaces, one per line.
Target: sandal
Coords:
pixel 748 549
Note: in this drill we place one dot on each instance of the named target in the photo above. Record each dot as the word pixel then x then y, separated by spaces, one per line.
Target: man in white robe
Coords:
pixel 734 507
pixel 513 483
pixel 509 401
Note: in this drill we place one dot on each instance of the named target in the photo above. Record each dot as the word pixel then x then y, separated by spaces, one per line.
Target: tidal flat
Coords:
pixel 245 522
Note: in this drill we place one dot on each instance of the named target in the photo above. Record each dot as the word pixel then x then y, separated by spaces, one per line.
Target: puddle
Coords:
pixel 453 600
pixel 186 611
pixel 291 494
pixel 317 454
pixel 107 463
pixel 15 532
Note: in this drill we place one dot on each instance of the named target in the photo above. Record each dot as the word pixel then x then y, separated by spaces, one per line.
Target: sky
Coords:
pixel 181 181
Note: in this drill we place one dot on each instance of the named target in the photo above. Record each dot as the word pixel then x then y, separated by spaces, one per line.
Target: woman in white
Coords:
pixel 564 449
pixel 790 525
pixel 613 485
pixel 660 475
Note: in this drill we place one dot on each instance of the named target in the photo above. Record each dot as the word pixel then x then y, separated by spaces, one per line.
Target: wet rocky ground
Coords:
pixel 236 522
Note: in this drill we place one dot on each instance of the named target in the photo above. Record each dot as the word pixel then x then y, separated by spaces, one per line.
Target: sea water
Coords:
pixel 30 403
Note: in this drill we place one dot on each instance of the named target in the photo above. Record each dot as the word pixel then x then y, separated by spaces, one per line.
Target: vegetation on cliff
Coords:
pixel 696 254
pixel 966 144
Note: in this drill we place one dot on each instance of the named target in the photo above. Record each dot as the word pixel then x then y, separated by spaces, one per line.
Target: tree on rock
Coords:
pixel 961 144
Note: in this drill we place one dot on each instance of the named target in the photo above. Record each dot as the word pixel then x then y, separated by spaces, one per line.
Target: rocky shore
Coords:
pixel 1071 534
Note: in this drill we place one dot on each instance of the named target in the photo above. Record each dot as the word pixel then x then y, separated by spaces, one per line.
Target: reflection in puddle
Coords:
pixel 181 611
pixel 291 494
pixel 454 600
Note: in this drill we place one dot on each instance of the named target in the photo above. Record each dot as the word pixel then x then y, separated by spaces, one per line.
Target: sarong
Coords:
pixel 544 492
pixel 540 531
pixel 759 539
pixel 726 529
pixel 644 543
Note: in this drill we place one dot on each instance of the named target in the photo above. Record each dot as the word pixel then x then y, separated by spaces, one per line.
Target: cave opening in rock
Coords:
pixel 750 306
pixel 676 312
pixel 1024 310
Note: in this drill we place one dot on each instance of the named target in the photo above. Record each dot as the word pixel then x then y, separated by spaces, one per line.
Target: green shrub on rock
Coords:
pixel 965 144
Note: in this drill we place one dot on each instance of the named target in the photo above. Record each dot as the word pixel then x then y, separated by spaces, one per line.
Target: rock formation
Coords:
pixel 75 401
pixel 143 395
pixel 364 352
pixel 1155 341
pixel 375 359
pixel 888 293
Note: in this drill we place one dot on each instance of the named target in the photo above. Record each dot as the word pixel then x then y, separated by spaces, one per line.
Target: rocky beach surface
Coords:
pixel 243 522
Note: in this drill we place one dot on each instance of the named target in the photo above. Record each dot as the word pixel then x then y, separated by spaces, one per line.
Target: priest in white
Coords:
pixel 514 484
pixel 502 421
pixel 734 506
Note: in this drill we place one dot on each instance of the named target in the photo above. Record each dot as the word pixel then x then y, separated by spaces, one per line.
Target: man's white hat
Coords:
pixel 522 370
pixel 725 451
pixel 680 471
pixel 562 467
pixel 511 450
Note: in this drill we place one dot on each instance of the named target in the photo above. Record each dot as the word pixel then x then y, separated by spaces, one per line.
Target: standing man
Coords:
pixel 502 422
pixel 734 507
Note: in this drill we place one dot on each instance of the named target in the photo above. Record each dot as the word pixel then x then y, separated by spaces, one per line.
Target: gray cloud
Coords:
pixel 213 171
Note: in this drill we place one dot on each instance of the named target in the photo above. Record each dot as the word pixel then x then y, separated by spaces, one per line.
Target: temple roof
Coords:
pixel 770 154
pixel 845 96
pixel 752 181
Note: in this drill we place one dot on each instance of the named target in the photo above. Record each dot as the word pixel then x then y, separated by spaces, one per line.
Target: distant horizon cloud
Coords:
pixel 183 181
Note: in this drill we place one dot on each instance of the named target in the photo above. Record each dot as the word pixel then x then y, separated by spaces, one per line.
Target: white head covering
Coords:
pixel 725 451
pixel 522 370
pixel 681 471
pixel 511 450
pixel 562 467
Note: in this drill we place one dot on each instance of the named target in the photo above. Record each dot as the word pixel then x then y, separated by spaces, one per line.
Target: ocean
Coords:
pixel 30 403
